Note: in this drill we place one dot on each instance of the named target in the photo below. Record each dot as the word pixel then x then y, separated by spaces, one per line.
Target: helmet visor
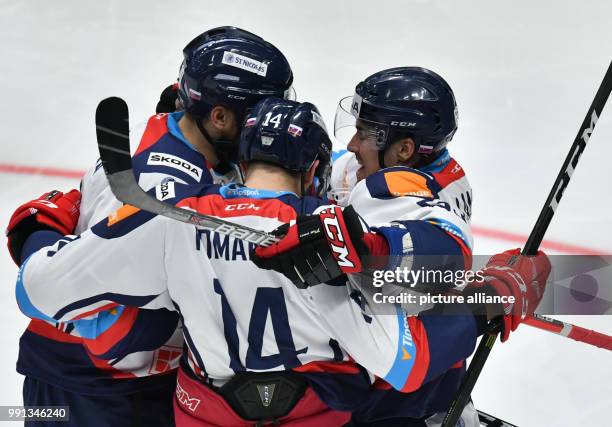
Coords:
pixel 348 124
pixel 290 94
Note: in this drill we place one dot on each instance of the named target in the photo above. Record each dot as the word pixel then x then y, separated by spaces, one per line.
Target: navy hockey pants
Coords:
pixel 151 408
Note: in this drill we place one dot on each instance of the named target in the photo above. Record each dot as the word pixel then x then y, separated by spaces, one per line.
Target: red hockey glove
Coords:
pixel 522 277
pixel 319 248
pixel 51 211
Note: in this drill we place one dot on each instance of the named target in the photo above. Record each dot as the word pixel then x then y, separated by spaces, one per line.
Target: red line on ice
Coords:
pixel 478 231
pixel 39 170
pixel 520 240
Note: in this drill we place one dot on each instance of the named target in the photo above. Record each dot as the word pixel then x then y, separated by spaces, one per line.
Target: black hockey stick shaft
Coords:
pixel 112 131
pixel 533 243
pixel 487 420
pixel 569 165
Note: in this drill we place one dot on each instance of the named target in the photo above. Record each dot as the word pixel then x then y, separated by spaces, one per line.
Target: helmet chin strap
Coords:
pixel 381 158
pixel 381 153
pixel 225 149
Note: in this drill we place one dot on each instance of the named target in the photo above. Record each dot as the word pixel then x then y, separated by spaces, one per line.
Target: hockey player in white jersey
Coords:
pixel 258 348
pixel 417 200
pixel 109 360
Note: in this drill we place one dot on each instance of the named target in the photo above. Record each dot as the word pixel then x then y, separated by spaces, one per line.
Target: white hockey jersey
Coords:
pixel 424 215
pixel 236 317
pixel 112 338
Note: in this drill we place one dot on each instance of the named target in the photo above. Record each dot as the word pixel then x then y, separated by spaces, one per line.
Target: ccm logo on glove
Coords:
pixel 334 227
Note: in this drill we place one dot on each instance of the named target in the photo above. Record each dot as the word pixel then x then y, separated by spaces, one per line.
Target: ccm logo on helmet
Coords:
pixel 403 124
pixel 333 230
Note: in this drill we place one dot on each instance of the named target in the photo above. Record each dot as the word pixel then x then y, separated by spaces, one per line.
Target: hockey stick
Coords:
pixel 487 420
pixel 112 130
pixel 533 243
pixel 112 125
pixel 577 333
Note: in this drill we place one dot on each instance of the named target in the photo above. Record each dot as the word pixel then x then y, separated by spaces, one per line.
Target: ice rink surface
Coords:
pixel 523 72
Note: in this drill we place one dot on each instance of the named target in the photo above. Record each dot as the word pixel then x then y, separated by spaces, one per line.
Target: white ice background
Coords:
pixel 524 74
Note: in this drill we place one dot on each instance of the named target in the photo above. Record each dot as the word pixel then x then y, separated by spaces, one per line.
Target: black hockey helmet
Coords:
pixel 402 102
pixel 288 134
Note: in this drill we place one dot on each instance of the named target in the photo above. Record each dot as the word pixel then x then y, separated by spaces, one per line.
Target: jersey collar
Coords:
pixel 234 191
pixel 438 164
pixel 175 130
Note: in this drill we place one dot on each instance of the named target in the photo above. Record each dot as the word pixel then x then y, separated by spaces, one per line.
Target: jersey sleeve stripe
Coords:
pixel 405 355
pixel 450 229
pixel 421 364
pixel 114 298
pixel 104 320
pixel 23 300
pixel 100 341
pixel 49 330
pixel 329 367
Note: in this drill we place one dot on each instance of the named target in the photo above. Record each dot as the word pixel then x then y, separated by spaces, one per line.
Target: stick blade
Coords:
pixel 112 130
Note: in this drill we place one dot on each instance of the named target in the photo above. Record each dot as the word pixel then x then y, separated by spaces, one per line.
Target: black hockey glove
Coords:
pixel 320 248
pixel 167 100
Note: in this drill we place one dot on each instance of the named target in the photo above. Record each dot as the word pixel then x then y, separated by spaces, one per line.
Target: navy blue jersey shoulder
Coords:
pixel 171 156
pixel 127 218
pixel 303 205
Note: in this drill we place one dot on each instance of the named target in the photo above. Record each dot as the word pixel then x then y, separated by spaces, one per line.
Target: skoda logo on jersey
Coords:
pixel 165 191
pixel 164 159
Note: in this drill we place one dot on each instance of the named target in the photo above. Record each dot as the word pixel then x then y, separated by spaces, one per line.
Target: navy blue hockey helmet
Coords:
pixel 288 134
pixel 402 102
pixel 233 68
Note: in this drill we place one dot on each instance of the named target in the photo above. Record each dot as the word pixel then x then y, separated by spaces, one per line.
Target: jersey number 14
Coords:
pixel 267 300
